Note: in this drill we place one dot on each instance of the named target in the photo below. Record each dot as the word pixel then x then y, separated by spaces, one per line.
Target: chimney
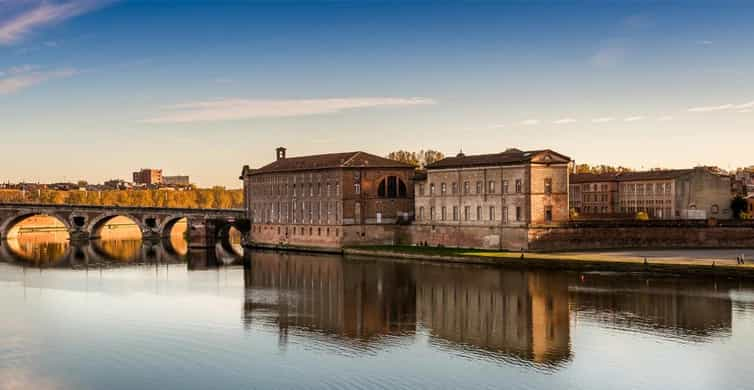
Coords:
pixel 280 153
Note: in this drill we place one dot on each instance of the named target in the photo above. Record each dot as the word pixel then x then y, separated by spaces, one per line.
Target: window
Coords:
pixel 505 214
pixel 715 209
pixel 505 186
pixel 548 214
pixel 454 188
pixel 492 213
pixel 465 187
pixel 443 212
pixel 479 187
pixel 357 188
pixel 479 213
pixel 391 187
pixel 421 213
pixel 432 213
pixel 548 186
pixel 432 188
pixel 491 187
pixel 518 186
pixel 443 188
pixel 518 214
pixel 466 213
pixel 421 189
pixel 455 213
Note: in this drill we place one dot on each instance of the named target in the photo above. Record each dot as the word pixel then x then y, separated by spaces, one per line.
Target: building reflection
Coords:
pixel 694 309
pixel 504 314
pixel 519 314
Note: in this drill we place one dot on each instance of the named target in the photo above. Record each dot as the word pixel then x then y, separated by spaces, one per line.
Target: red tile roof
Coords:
pixel 509 157
pixel 329 161
pixel 629 176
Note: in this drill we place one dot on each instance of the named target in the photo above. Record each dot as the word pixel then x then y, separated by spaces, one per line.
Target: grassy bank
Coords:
pixel 564 260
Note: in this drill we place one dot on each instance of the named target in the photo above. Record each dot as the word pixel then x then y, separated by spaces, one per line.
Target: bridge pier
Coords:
pixel 202 233
pixel 78 235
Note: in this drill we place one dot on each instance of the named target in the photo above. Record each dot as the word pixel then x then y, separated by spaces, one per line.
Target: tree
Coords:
pixel 739 206
pixel 418 159
pixel 600 169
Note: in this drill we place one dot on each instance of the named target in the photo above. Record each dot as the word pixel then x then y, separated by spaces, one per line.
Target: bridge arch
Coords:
pixel 9 223
pixel 95 225
pixel 169 222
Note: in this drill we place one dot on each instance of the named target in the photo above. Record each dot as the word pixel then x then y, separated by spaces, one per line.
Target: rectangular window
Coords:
pixel 455 213
pixel 432 188
pixel 491 187
pixel 443 212
pixel 548 186
pixel 518 186
pixel 479 213
pixel 357 188
pixel 492 213
pixel 505 186
pixel 479 187
pixel 466 213
pixel 421 189
pixel 518 214
pixel 465 187
pixel 443 188
pixel 421 213
pixel 454 188
pixel 432 213
pixel 548 214
pixel 505 214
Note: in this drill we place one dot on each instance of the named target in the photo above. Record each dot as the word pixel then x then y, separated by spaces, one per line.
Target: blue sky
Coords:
pixel 95 89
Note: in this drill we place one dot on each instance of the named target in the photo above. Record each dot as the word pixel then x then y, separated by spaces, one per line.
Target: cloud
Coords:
pixel 42 14
pixel 723 107
pixel 608 57
pixel 235 109
pixel 703 42
pixel 530 122
pixel 745 110
pixel 633 118
pixel 18 78
pixel 603 120
pixel 563 121
pixel 665 118
pixel 497 126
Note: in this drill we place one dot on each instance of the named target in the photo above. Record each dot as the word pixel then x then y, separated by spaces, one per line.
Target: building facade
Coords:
pixel 697 193
pixel 327 200
pixel 180 181
pixel 490 200
pixel 147 176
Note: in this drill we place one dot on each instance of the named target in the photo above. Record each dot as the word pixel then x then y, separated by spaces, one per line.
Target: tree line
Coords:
pixel 218 197
pixel 418 159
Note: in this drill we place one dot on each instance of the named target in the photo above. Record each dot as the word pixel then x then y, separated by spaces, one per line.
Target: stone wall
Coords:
pixel 588 238
pixel 509 238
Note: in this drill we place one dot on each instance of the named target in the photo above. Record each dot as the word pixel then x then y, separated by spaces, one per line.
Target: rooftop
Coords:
pixel 328 161
pixel 508 157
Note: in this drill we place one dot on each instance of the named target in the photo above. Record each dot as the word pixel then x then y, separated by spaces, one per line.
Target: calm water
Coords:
pixel 123 315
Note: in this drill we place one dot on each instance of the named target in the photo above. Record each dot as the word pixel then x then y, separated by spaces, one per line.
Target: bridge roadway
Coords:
pixel 84 222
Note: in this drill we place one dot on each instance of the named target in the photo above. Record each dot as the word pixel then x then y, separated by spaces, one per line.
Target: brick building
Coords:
pixel 178 181
pixel 696 193
pixel 489 200
pixel 148 176
pixel 327 200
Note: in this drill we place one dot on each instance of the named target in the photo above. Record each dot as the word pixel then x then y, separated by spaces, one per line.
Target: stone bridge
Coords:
pixel 205 226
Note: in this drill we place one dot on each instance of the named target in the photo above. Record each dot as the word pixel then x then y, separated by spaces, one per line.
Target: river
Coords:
pixel 121 314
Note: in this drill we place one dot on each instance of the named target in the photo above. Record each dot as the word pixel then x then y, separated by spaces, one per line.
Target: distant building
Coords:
pixel 327 200
pixel 116 184
pixel 697 193
pixel 148 176
pixel 179 181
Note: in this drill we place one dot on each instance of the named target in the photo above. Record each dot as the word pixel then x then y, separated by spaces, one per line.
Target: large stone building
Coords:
pixel 696 193
pixel 490 200
pixel 328 200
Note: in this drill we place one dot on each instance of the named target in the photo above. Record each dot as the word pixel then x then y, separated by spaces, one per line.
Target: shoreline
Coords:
pixel 567 261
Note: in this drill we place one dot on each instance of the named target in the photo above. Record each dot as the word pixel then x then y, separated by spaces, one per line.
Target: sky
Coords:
pixel 95 89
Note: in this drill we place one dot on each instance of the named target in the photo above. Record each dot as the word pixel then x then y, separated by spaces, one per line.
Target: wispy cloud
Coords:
pixel 21 77
pixel 745 110
pixel 235 109
pixel 564 121
pixel 41 14
pixel 633 118
pixel 603 119
pixel 665 118
pixel 496 126
pixel 723 107
pixel 703 42
pixel 530 122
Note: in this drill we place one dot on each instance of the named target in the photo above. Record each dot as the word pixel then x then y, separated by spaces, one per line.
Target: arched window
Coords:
pixel 391 187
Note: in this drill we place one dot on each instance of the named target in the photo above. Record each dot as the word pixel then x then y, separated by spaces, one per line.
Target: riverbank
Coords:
pixel 714 263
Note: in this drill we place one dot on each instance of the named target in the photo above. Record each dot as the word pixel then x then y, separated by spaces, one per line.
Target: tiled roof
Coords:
pixel 629 176
pixel 509 157
pixel 327 161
